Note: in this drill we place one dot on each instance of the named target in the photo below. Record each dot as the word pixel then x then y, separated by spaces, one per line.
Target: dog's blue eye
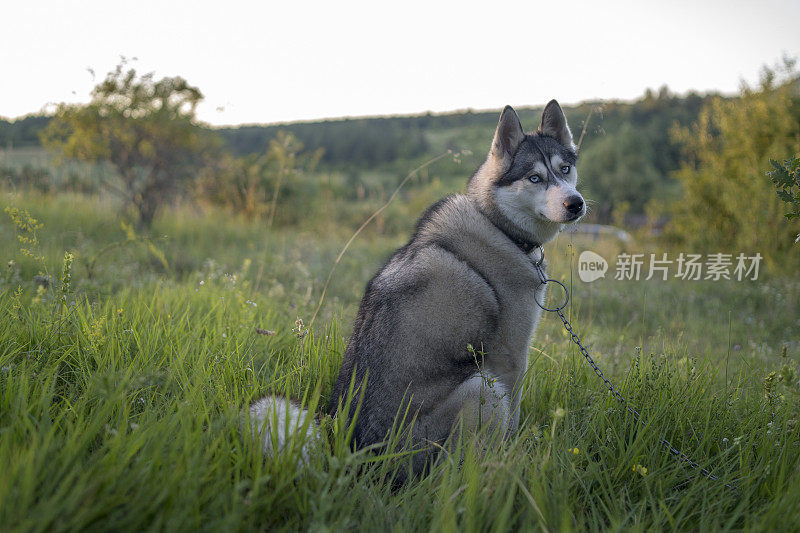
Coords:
pixel 565 169
pixel 535 178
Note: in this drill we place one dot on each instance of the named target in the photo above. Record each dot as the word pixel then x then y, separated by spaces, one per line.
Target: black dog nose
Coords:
pixel 574 204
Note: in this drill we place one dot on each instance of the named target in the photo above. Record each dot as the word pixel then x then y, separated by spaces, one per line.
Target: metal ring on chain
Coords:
pixel 560 307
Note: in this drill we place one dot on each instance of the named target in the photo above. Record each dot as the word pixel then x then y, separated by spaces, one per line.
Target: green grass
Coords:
pixel 59 173
pixel 121 406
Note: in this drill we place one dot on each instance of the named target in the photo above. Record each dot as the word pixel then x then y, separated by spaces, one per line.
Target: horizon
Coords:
pixel 628 101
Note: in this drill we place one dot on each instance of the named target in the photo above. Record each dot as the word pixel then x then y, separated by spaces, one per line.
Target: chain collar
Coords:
pixel 526 246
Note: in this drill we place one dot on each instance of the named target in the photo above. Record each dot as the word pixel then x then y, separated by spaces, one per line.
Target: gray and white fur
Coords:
pixel 466 278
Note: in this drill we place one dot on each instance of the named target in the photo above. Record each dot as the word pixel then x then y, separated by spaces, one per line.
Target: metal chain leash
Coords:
pixel 610 386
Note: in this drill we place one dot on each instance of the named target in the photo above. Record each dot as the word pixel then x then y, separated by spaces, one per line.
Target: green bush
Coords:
pixel 727 205
pixel 786 177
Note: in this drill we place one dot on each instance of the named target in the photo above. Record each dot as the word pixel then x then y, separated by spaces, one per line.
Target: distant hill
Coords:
pixel 627 154
pixel 22 132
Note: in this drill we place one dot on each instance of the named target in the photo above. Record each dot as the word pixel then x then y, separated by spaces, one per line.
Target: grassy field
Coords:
pixel 122 388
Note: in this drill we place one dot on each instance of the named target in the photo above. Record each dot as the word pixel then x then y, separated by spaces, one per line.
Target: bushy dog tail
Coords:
pixel 283 425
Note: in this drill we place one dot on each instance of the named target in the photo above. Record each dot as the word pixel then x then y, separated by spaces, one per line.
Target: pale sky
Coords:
pixel 267 61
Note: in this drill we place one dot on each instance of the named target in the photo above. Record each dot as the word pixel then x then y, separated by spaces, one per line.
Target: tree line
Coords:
pixel 628 152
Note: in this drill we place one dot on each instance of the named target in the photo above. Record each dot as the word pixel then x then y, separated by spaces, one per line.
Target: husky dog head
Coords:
pixel 526 186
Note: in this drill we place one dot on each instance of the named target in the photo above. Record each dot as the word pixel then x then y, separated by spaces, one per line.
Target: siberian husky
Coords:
pixel 443 330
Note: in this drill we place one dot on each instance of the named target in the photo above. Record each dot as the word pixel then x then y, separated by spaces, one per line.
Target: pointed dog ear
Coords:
pixel 554 124
pixel 508 135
